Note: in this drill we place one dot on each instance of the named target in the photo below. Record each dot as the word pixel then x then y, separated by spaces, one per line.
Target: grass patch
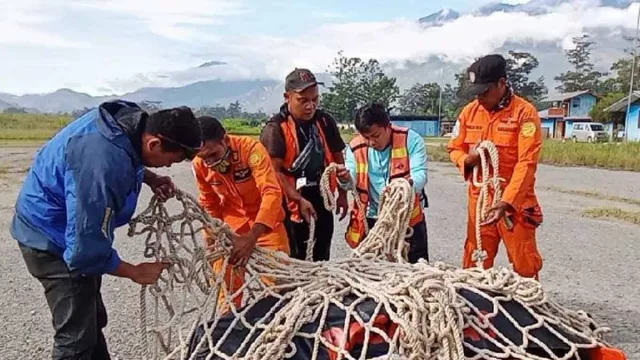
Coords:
pixel 31 126
pixel 613 213
pixel 593 194
pixel 34 129
pixel 438 153
pixel 614 156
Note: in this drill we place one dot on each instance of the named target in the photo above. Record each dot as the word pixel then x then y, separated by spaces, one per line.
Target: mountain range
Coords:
pixel 266 94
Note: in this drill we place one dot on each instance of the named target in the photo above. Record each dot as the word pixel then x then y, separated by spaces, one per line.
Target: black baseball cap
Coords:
pixel 299 80
pixel 485 71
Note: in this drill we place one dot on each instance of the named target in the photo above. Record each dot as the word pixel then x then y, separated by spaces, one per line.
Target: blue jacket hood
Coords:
pixel 123 117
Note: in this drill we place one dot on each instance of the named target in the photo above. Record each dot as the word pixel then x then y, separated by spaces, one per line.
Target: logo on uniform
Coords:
pixel 306 76
pixel 241 175
pixel 528 129
pixel 254 159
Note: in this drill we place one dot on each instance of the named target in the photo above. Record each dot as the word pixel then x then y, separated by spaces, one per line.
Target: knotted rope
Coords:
pixel 423 301
pixel 488 184
pixel 387 242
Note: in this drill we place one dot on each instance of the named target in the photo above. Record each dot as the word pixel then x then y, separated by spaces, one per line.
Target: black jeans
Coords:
pixel 77 310
pixel 299 232
pixel 418 246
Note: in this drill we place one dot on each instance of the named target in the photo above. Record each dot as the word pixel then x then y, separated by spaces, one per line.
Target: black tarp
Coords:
pixel 377 347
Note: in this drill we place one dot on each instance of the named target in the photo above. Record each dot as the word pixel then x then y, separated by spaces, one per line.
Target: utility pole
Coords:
pixel 440 101
pixel 633 68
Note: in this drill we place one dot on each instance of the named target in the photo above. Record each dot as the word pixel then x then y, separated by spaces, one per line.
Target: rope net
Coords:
pixel 360 307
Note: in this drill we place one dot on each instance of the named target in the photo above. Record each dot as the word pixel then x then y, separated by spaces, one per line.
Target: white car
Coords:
pixel 589 132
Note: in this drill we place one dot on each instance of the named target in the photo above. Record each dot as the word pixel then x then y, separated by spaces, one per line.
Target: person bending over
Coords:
pixel 237 184
pixel 82 185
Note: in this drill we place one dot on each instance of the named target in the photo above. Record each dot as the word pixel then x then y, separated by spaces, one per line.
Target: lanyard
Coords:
pixel 385 175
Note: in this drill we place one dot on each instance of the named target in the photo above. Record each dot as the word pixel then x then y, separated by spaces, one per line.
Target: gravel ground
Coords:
pixel 589 264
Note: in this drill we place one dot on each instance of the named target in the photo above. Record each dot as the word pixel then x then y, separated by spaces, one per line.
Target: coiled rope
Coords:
pixel 489 183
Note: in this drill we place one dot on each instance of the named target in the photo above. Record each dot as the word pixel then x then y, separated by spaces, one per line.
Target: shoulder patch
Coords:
pixel 254 159
pixel 528 129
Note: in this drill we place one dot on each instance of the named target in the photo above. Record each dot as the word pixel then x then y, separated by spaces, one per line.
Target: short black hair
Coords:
pixel 211 128
pixel 372 114
pixel 177 128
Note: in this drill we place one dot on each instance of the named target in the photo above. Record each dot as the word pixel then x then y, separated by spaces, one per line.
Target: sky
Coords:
pixel 116 46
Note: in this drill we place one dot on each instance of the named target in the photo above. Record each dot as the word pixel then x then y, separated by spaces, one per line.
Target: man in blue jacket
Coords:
pixel 82 185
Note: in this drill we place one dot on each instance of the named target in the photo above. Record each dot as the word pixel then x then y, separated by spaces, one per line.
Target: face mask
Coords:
pixel 223 165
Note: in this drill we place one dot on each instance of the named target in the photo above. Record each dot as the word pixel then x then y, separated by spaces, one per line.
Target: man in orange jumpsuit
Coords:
pixel 513 125
pixel 237 183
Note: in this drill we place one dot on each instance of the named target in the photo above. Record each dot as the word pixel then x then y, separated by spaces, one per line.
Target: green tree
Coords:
pixel 355 83
pixel 599 115
pixel 622 71
pixel 15 110
pixel 583 76
pixel 520 65
pixel 420 99
pixel 234 110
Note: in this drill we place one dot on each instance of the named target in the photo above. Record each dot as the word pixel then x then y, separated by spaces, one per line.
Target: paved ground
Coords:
pixel 589 264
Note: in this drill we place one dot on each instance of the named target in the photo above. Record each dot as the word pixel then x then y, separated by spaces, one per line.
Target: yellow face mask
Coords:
pixel 223 165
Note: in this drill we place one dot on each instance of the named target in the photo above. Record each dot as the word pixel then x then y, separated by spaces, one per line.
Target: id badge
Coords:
pixel 301 182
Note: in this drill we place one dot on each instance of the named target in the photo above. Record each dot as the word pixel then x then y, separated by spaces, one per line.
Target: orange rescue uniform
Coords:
pixel 249 193
pixel 516 131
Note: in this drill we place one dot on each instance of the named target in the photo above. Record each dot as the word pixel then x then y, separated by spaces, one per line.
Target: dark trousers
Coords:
pixel 77 310
pixel 299 232
pixel 418 245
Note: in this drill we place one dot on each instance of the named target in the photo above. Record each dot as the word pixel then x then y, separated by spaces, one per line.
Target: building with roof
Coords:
pixel 564 110
pixel 425 125
pixel 632 118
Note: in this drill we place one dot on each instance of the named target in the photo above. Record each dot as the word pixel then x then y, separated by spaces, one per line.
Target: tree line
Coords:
pixel 356 82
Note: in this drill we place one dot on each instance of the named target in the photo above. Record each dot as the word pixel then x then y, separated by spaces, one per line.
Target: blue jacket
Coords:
pixel 83 184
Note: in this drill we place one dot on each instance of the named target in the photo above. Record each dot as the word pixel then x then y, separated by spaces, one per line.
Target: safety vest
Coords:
pixel 400 167
pixel 288 126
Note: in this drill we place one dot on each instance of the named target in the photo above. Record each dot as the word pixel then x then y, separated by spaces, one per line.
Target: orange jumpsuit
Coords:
pixel 249 193
pixel 516 131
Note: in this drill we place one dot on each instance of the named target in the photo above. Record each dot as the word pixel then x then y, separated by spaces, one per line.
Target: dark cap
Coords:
pixel 299 80
pixel 485 71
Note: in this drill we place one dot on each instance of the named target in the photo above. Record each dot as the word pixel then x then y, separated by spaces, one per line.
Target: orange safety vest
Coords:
pixel 292 151
pixel 400 167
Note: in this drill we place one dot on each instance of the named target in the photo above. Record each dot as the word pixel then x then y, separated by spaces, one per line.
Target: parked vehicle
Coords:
pixel 589 132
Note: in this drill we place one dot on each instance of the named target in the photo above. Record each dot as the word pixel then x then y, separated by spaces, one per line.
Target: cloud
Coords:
pixel 22 22
pixel 171 19
pixel 404 39
pixel 152 28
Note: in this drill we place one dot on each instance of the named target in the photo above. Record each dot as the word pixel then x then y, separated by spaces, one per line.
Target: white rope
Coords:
pixel 488 183
pixel 423 301
pixel 330 199
pixel 311 241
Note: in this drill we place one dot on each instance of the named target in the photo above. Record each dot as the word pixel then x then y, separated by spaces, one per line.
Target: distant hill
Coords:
pixel 214 92
pixel 5 105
